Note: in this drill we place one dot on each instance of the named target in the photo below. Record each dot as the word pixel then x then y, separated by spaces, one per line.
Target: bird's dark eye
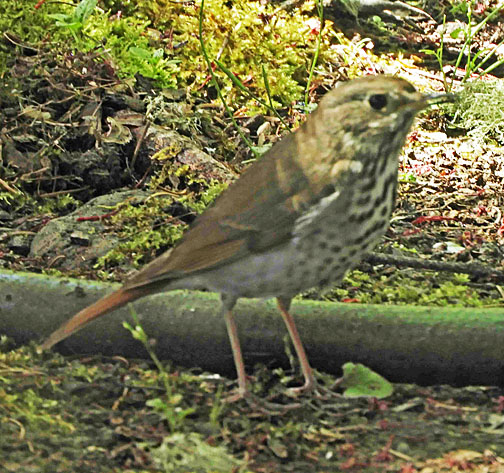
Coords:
pixel 378 101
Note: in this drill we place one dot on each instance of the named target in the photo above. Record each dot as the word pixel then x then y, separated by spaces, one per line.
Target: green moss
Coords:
pixel 143 229
pixel 480 108
pixel 12 201
pixel 21 19
pixel 190 452
pixel 132 48
pixel 24 407
pixel 253 35
pixel 244 36
pixel 283 43
pixel 159 39
pixel 142 232
pixel 409 287
pixel 57 205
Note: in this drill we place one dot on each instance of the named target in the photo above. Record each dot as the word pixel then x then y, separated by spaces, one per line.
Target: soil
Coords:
pixel 97 415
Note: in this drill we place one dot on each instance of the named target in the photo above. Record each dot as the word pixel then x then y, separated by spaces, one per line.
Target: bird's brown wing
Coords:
pixel 255 213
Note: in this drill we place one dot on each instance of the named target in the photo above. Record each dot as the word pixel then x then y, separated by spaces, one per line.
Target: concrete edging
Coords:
pixel 426 345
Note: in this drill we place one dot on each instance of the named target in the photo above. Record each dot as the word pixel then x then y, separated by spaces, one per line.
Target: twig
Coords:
pixel 66 191
pixel 7 187
pixel 474 269
pixel 131 166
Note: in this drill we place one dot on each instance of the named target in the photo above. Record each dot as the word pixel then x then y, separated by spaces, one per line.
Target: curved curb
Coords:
pixel 403 343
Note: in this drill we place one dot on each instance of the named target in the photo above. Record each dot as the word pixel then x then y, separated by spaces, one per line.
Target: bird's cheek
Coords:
pixel 352 166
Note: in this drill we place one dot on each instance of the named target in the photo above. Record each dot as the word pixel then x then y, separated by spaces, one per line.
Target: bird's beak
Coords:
pixel 433 99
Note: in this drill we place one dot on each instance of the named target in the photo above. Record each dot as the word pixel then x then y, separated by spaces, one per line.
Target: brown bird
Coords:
pixel 300 217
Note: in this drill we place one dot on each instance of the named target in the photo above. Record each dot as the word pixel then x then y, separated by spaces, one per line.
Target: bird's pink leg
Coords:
pixel 309 385
pixel 237 356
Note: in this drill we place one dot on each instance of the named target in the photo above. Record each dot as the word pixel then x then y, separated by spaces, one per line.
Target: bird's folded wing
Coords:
pixel 256 213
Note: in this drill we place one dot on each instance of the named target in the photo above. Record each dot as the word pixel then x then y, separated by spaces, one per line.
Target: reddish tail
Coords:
pixel 101 307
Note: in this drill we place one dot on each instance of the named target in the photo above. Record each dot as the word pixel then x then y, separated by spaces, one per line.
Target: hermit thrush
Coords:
pixel 299 217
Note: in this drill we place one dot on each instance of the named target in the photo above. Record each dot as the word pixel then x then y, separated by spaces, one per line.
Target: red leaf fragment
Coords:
pixel 432 218
pixel 500 231
pixel 480 210
pixel 413 231
pixel 94 218
pixel 500 404
pixel 384 454
pixel 408 468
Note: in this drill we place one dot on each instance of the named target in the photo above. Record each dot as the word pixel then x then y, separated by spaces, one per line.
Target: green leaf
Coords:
pixel 84 9
pixel 156 403
pixel 360 381
pixel 142 53
pixel 260 150
pixel 456 32
pixel 62 18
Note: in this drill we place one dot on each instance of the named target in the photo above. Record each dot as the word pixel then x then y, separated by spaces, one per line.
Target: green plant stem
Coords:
pixel 173 414
pixel 266 85
pixel 244 89
pixel 439 56
pixel 320 11
pixel 214 80
pixel 469 34
pixel 473 62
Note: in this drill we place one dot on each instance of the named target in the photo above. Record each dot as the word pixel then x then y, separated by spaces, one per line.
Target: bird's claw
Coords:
pixel 317 390
pixel 259 404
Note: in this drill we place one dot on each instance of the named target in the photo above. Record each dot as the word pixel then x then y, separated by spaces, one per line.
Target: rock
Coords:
pixel 70 244
pixel 5 216
pixel 75 242
pixel 165 144
pixel 19 244
pixel 80 238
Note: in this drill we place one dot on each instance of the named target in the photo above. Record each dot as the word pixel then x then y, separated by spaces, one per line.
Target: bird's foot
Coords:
pixel 240 394
pixel 316 389
pixel 308 387
pixel 261 405
pixel 326 393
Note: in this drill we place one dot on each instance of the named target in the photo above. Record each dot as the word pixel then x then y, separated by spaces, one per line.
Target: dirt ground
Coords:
pixel 105 415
